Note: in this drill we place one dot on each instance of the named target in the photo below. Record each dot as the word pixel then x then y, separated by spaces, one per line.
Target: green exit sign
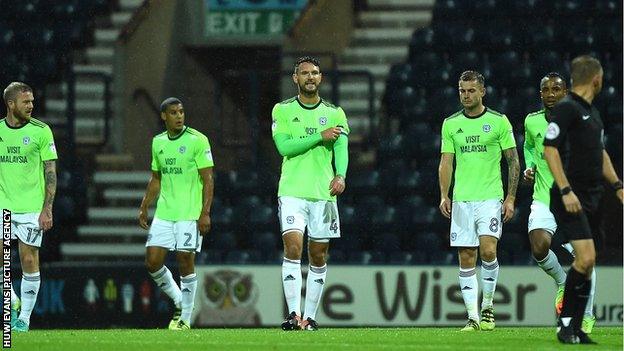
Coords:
pixel 260 22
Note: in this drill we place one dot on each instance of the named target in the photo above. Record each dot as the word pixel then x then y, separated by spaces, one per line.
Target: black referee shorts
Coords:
pixel 582 225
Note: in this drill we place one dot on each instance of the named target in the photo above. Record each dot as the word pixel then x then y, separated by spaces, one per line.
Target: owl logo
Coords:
pixel 453 236
pixel 26 140
pixel 323 121
pixel 227 297
pixel 182 149
pixel 487 128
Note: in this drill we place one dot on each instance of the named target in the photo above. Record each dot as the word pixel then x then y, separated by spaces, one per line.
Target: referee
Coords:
pixel 575 153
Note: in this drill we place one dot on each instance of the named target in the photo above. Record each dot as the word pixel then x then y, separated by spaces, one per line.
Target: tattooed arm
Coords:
pixel 511 155
pixel 45 218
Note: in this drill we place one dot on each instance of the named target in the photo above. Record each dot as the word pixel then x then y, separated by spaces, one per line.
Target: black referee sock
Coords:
pixel 575 298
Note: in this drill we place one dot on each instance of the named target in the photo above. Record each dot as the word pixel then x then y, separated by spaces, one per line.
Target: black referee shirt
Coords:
pixel 576 130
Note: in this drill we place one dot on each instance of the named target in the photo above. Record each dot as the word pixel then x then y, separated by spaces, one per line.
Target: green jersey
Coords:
pixel 178 160
pixel 477 143
pixel 308 174
pixel 535 126
pixel 22 152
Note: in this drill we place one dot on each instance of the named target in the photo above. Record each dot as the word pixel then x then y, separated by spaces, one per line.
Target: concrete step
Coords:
pixel 394 19
pixel 100 55
pixel 382 36
pixel 113 194
pixel 85 90
pixel 400 4
pixel 90 231
pixel 122 177
pixel 72 251
pixel 350 90
pixel 357 106
pixel 379 71
pixel 106 37
pixel 119 19
pixel 115 163
pixel 98 68
pixel 114 215
pixel 129 5
pixel 374 54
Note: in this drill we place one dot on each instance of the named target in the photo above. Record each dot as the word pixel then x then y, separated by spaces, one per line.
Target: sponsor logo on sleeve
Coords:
pixel 52 147
pixel 208 155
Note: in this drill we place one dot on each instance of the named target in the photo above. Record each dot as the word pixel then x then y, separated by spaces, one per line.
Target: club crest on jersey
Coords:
pixel 26 140
pixel 453 236
pixel 323 121
pixel 290 219
pixel 487 128
pixel 182 149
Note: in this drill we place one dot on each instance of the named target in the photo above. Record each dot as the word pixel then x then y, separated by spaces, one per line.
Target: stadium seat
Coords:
pixel 422 40
pixel 364 182
pixel 267 241
pixel 385 242
pixel 465 60
pixel 401 258
pixel 209 256
pixel 442 257
pixel 336 256
pixel 222 241
pixel 367 257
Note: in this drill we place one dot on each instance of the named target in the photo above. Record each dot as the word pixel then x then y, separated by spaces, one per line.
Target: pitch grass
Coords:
pixel 331 339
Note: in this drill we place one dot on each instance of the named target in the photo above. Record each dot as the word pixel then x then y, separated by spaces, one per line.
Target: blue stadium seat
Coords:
pixel 408 182
pixel 364 182
pixel 608 8
pixel 572 8
pixel 385 242
pixel 422 40
pixel 335 255
pixel 401 258
pixel 209 256
pixel 222 241
pixel 442 257
pixel 465 60
pixel 366 257
pixel 263 216
pixel 266 241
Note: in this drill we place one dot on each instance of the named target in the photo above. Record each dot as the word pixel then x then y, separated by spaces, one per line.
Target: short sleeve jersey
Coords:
pixel 535 125
pixel 22 152
pixel 178 160
pixel 576 130
pixel 477 143
pixel 308 174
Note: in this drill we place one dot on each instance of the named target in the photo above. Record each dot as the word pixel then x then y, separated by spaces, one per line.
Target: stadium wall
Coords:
pixel 99 295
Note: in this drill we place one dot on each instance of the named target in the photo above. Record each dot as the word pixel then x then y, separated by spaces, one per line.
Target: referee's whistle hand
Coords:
pixel 572 203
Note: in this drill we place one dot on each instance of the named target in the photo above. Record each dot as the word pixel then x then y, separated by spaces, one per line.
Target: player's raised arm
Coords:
pixel 152 191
